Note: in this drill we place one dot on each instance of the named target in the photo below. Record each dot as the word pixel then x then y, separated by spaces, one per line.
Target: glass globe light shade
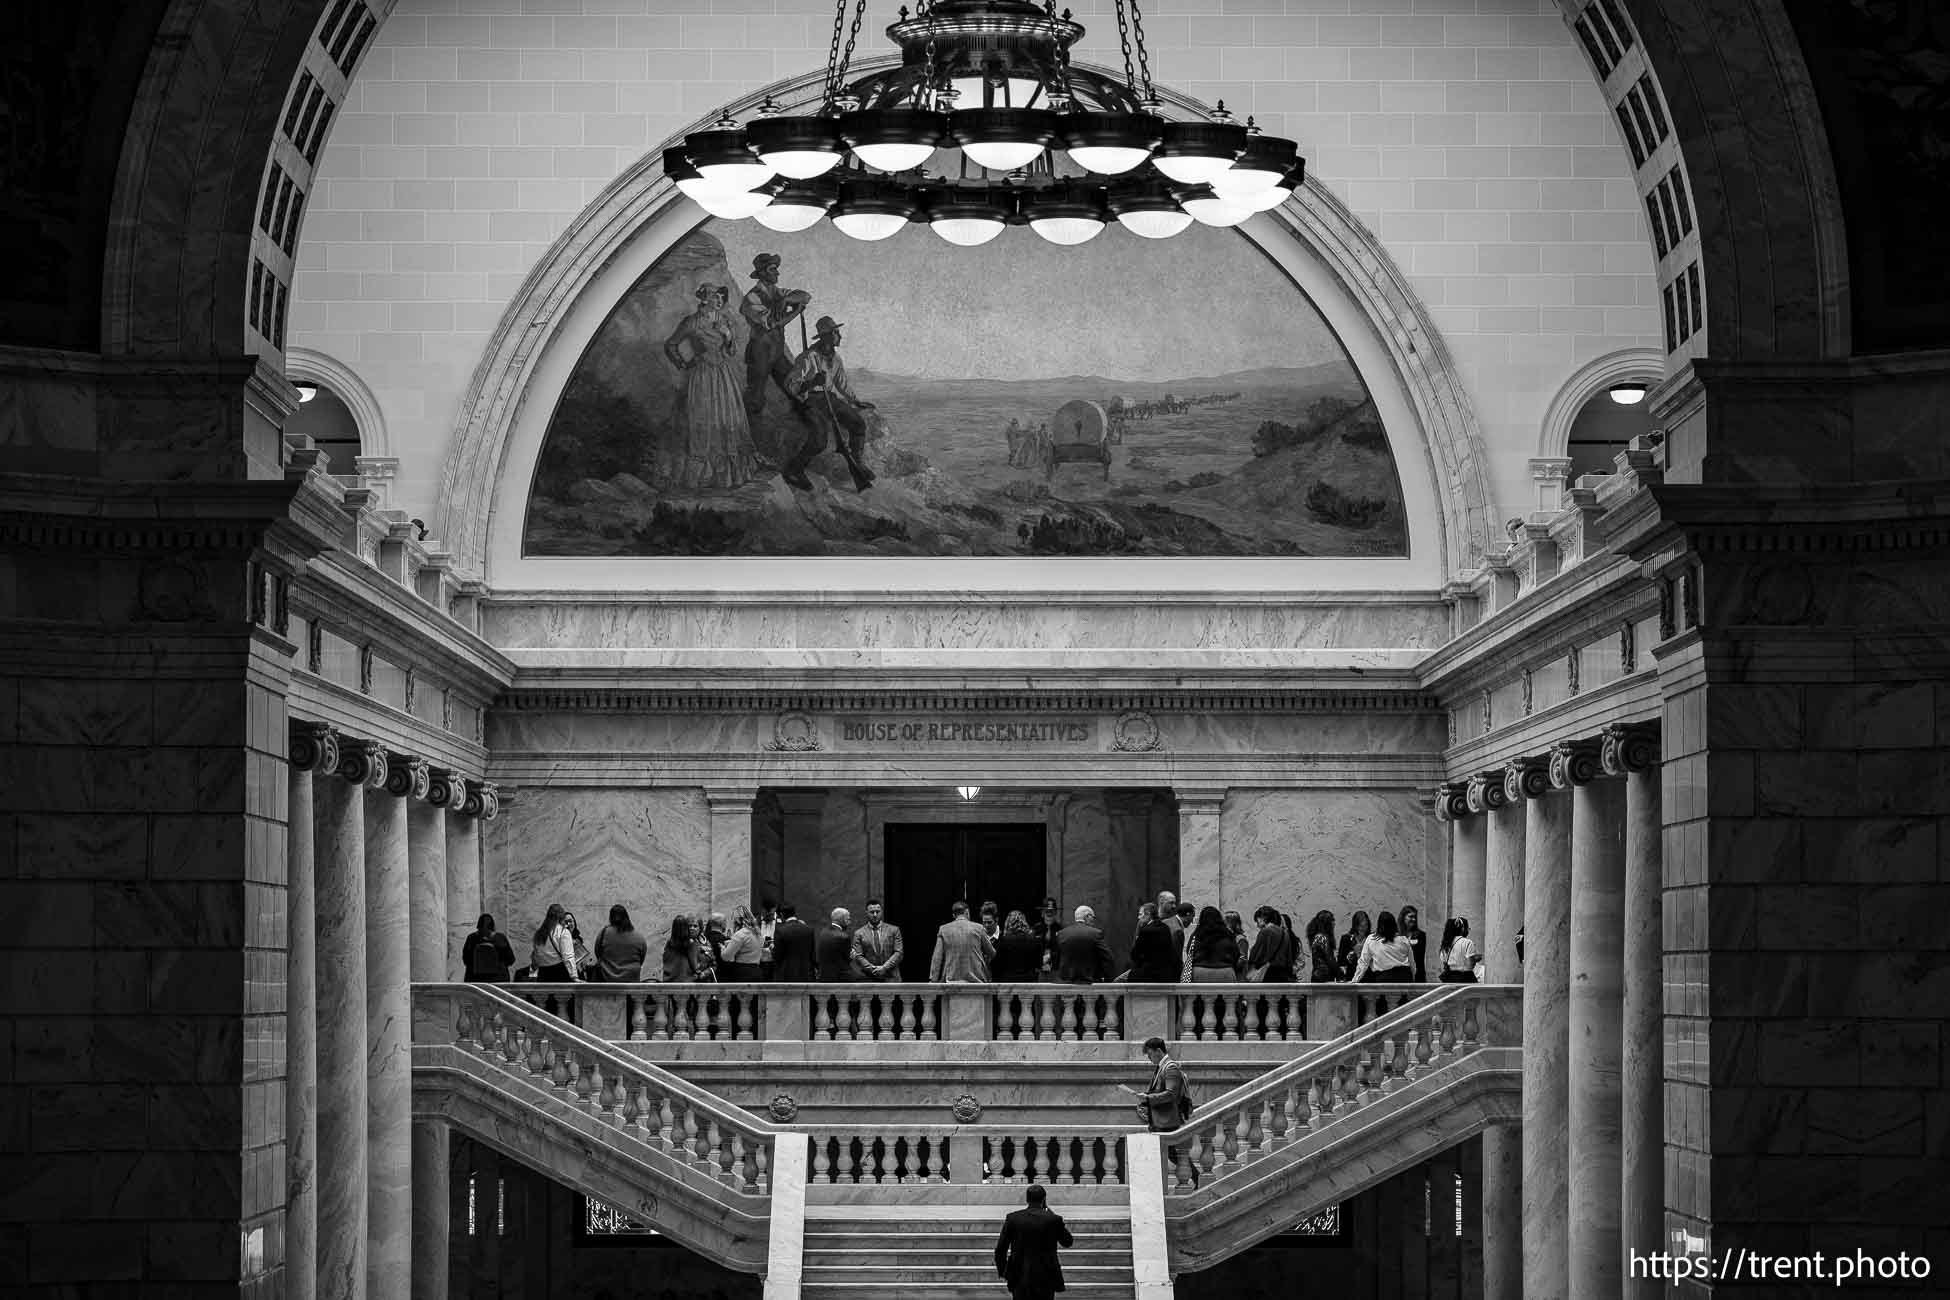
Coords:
pixel 1261 200
pixel 1108 160
pixel 1110 143
pixel 1152 223
pixel 1233 183
pixel 1189 169
pixel 967 232
pixel 801 164
pixel 789 215
pixel 1192 153
pixel 1067 230
pixel 745 175
pixel 799 148
pixel 1211 210
pixel 1629 393
pixel 893 157
pixel 1263 164
pixel 1003 155
pixel 733 206
pixel 869 227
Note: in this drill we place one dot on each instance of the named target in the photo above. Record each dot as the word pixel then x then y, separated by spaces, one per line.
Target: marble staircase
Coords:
pixel 853 1253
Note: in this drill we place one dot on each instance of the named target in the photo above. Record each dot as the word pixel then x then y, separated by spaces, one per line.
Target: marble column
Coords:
pixel 1634 752
pixel 1597 990
pixel 314 749
pixel 1201 855
pixel 1468 848
pixel 340 848
pixel 427 844
pixel 464 906
pixel 432 1212
pixel 731 848
pixel 1546 1026
pixel 389 1026
pixel 1496 933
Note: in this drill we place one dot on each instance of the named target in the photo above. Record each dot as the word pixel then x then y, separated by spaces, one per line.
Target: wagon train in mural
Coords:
pixel 809 395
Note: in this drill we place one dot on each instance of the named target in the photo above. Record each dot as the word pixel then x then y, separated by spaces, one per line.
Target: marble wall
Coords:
pixel 587 848
pixel 1303 850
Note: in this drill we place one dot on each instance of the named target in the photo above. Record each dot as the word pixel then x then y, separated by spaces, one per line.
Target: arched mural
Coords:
pixel 807 394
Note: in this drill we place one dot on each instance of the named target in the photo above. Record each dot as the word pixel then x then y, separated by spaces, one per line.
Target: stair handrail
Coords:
pixel 488 1021
pixel 1336 1079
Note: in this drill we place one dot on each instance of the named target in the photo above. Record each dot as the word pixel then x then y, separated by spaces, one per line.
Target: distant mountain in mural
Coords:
pixel 923 400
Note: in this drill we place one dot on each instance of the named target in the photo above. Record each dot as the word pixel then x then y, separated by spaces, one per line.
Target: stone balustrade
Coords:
pixel 1022 1013
pixel 1228 1133
pixel 641 1102
pixel 967 1154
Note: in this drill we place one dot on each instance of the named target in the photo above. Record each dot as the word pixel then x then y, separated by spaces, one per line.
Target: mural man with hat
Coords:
pixel 768 309
pixel 818 380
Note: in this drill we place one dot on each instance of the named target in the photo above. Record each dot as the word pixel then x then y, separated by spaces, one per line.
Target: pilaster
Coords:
pixel 1201 848
pixel 1546 1025
pixel 731 847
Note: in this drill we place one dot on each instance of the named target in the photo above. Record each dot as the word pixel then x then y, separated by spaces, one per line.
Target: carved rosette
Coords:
pixel 408 777
pixel 443 788
pixel 314 747
pixel 1526 778
pixel 1573 762
pixel 783 1109
pixel 966 1109
pixel 794 733
pixel 1485 792
pixel 1136 733
pixel 363 762
pixel 1628 748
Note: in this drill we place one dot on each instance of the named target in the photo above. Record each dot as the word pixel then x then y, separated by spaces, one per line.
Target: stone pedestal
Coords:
pixel 340 845
pixel 1201 857
pixel 1597 990
pixel 1641 1088
pixel 1496 937
pixel 731 849
pixel 389 1047
pixel 1546 1043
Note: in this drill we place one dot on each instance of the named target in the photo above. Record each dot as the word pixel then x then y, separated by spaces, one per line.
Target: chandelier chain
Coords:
pixel 1124 40
pixel 837 60
pixel 1143 54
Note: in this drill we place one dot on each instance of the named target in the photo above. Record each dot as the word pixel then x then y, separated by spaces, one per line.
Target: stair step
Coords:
pixel 847 1242
pixel 988 1289
pixel 970 1273
pixel 973 1225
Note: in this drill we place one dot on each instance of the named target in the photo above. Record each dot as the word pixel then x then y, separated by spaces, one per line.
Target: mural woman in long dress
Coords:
pixel 718 450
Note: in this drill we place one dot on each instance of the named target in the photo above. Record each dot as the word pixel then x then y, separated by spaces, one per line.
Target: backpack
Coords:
pixel 1184 1104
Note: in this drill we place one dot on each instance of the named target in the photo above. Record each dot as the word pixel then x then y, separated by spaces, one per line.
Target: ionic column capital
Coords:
pixel 408 776
pixel 1574 762
pixel 363 762
pixel 1629 747
pixel 446 789
pixel 482 799
pixel 1528 777
pixel 1485 793
pixel 1452 802
pixel 314 747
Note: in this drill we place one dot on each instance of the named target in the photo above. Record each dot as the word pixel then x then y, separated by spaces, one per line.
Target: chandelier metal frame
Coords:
pixel 984 124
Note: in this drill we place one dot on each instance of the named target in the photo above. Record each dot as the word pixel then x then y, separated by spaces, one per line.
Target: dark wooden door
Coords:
pixel 930 865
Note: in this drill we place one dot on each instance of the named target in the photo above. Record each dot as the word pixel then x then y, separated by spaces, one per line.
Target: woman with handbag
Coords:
pixel 1271 959
pixel 554 955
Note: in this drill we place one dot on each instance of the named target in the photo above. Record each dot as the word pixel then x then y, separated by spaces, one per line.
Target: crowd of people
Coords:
pixel 1173 942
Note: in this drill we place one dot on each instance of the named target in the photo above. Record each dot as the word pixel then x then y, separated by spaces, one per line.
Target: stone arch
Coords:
pixel 1316 219
pixel 329 372
pixel 1594 377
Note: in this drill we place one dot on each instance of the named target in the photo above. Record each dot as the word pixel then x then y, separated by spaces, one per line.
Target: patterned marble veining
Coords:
pixel 962 622
pixel 340 857
pixel 1304 850
pixel 389 1044
pixel 648 849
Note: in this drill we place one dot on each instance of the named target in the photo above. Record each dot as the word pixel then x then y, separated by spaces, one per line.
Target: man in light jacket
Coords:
pixel 962 951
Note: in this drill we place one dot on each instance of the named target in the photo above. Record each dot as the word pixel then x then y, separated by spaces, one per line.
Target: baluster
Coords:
pixel 1200 1157
pixel 762 1162
pixel 656 1019
pixel 665 1120
pixel 747 1022
pixel 740 1179
pixel 1244 1143
pixel 902 1007
pixel 691 1152
pixel 588 1082
pixel 514 1051
pixel 633 1018
pixel 1237 1029
pixel 1113 1164
pixel 927 1018
pixel 1006 1009
pixel 1187 1029
pixel 1398 1064
pixel 1011 1159
pixel 1182 1168
pixel 1425 1049
pixel 1069 1012
pixel 822 1020
pixel 1472 1025
pixel 538 1059
pixel 1263 1141
pixel 1035 1001
pixel 845 1008
pixel 880 1160
pixel 1208 1019
pixel 714 1147
pixel 1113 1017
pixel 822 1161
pixel 558 1068
pixel 626 1108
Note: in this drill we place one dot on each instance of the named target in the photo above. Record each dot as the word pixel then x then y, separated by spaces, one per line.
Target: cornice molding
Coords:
pixel 363 605
pixel 555 699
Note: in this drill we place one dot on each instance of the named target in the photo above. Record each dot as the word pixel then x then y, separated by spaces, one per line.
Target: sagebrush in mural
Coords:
pixel 1015 399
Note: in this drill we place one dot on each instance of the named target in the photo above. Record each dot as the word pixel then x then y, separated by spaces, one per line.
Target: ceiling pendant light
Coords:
pixel 798 205
pixel 984 92
pixel 1111 144
pixel 870 210
pixel 966 220
pixel 1261 166
pixel 1209 209
pixel 1148 210
pixel 1629 393
pixel 1194 152
pixel 798 148
pixel 724 158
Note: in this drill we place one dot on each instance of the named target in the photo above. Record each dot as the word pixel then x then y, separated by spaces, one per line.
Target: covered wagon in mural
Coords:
pixel 1079 434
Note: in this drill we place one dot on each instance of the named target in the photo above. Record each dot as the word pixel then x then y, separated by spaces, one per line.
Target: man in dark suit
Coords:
pixel 792 947
pixel 877 949
pixel 834 949
pixel 1155 956
pixel 1082 953
pixel 1025 1253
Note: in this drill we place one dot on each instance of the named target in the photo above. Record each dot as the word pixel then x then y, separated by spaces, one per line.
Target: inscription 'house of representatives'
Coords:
pixel 1036 732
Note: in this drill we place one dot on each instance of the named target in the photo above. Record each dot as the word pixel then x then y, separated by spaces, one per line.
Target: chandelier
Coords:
pixel 985 124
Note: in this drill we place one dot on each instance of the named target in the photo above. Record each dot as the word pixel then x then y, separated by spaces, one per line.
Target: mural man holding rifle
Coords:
pixel 818 380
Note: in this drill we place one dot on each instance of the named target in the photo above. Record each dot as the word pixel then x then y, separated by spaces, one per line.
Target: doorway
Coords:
pixel 930 865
